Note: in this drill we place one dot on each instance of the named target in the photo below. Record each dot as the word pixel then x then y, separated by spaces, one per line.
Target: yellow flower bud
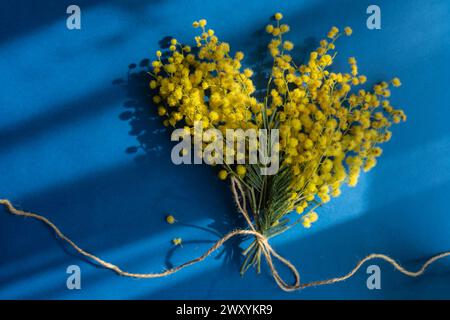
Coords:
pixel 278 16
pixel 396 82
pixel 170 219
pixel 348 31
pixel 269 28
pixel 223 174
pixel 241 170
pixel 177 241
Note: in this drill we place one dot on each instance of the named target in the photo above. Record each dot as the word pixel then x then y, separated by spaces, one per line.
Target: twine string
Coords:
pixel 266 249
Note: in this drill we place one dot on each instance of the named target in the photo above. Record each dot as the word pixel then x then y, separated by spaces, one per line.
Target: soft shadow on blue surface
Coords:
pixel 22 16
pixel 326 254
pixel 140 113
pixel 92 156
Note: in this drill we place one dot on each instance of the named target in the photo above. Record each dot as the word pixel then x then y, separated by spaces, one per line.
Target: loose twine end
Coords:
pixel 268 252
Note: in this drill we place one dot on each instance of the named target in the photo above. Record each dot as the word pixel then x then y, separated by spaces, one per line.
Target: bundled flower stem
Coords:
pixel 330 127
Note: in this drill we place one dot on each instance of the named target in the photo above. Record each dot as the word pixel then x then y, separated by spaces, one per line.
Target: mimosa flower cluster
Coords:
pixel 331 125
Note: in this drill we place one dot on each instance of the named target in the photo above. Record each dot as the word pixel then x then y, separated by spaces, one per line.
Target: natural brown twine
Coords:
pixel 267 250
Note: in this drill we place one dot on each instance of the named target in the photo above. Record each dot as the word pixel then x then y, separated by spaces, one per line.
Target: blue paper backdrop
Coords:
pixel 77 145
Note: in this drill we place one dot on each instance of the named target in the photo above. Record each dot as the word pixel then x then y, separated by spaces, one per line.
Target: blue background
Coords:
pixel 79 145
